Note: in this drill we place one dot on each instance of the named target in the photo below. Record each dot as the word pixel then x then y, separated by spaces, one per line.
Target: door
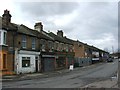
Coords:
pixel 36 64
pixel 49 64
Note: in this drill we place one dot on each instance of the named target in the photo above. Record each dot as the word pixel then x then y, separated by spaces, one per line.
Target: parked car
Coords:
pixel 110 59
pixel 119 60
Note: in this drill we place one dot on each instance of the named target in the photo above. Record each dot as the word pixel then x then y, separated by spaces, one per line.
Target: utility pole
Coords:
pixel 112 49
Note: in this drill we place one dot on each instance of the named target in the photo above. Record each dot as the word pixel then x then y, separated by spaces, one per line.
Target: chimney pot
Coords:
pixel 6 17
pixel 38 26
pixel 60 33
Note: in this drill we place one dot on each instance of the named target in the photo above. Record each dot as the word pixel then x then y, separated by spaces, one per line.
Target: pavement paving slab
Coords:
pixel 109 83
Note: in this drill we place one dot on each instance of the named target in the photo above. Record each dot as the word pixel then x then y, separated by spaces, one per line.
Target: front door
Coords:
pixel 36 64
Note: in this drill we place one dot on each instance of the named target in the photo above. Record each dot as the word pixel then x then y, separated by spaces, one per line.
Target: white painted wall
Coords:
pixel 26 69
pixel 32 67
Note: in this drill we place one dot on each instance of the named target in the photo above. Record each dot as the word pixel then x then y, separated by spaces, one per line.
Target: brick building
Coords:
pixel 63 50
pixel 25 50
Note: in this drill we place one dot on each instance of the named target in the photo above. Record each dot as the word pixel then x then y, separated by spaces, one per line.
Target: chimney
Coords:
pixel 38 26
pixel 60 33
pixel 6 17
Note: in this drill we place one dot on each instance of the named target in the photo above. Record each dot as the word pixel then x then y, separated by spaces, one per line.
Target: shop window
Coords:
pixel 4 60
pixel 25 61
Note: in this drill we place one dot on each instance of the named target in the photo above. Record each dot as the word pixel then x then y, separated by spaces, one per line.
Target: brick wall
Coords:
pixel 79 50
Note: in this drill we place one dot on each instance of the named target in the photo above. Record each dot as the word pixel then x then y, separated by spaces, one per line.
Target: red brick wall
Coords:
pixel 79 50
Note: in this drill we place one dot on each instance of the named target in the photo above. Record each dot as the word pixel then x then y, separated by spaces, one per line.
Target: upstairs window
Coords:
pixel 0 37
pixel 67 47
pixel 43 44
pixel 3 38
pixel 24 41
pixel 50 46
pixel 33 43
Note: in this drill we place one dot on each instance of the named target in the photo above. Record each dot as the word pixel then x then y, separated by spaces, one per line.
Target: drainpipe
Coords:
pixel 14 34
pixel 13 51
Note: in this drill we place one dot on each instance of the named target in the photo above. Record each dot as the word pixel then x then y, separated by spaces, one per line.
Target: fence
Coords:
pixel 79 62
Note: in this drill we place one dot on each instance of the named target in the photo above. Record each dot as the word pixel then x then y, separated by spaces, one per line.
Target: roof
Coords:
pixel 25 30
pixel 10 26
pixel 60 39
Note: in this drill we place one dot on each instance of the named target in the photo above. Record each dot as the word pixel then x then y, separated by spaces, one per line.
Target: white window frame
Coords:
pixel 2 42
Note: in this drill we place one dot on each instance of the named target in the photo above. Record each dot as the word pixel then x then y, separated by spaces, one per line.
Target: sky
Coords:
pixel 94 22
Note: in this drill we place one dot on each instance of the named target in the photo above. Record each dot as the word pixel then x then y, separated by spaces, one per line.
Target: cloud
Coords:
pixel 47 8
pixel 95 23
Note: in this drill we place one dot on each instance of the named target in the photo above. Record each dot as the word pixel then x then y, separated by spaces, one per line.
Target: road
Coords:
pixel 74 79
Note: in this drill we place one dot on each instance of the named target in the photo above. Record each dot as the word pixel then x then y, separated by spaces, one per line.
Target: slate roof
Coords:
pixel 25 30
pixel 60 39
pixel 10 26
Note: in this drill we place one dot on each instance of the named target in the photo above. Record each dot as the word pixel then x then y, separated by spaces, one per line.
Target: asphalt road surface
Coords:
pixel 74 79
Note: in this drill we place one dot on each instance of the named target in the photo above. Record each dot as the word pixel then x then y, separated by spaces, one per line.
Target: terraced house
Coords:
pixel 86 54
pixel 63 50
pixel 7 30
pixel 26 50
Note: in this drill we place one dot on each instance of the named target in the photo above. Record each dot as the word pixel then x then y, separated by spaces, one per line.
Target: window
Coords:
pixel 56 45
pixel 50 45
pixel 33 43
pixel 3 34
pixel 0 37
pixel 36 58
pixel 4 38
pixel 43 42
pixel 67 47
pixel 24 41
pixel 25 61
pixel 4 60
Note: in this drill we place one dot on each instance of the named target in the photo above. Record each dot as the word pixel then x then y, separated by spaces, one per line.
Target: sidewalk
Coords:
pixel 37 75
pixel 33 75
pixel 109 83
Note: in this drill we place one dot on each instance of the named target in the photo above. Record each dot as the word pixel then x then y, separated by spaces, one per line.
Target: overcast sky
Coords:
pixel 94 23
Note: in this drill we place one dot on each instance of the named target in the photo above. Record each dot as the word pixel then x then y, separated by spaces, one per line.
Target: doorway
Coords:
pixel 36 64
